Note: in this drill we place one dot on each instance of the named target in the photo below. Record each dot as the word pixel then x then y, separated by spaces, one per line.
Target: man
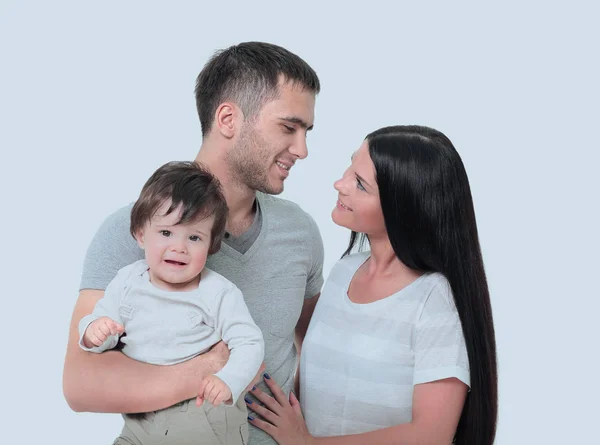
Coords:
pixel 256 104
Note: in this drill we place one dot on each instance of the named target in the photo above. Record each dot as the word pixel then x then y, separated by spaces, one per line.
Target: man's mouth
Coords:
pixel 284 166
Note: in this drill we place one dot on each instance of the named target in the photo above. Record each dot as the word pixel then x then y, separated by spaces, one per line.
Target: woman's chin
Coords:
pixel 339 219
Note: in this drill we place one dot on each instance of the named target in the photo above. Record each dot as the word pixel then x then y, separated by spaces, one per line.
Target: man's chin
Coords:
pixel 271 190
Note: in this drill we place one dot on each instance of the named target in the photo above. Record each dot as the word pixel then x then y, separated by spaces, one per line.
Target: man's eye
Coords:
pixel 195 238
pixel 166 233
pixel 289 129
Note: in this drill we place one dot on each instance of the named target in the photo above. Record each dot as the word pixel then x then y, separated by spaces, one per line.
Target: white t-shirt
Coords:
pixel 360 362
pixel 164 328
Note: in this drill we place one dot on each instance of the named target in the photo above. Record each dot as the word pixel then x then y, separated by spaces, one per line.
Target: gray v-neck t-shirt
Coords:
pixel 243 242
pixel 282 267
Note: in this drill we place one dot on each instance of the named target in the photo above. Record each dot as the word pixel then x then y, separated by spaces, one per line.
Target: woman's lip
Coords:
pixel 343 206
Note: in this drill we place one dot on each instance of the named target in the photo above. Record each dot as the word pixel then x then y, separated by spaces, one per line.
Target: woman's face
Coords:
pixel 358 207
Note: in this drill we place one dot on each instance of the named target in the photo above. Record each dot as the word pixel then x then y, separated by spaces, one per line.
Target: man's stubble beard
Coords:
pixel 248 162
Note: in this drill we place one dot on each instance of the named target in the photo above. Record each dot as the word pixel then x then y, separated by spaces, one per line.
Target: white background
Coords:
pixel 95 95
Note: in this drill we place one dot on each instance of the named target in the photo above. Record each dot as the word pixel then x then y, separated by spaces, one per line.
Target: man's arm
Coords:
pixel 113 382
pixel 308 307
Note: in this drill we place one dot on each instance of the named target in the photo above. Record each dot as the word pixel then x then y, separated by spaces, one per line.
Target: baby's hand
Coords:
pixel 214 390
pixel 99 330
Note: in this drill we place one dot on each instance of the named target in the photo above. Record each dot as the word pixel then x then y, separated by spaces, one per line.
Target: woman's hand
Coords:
pixel 283 418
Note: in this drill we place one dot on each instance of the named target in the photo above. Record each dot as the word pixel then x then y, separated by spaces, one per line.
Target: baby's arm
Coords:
pixel 244 339
pixel 100 330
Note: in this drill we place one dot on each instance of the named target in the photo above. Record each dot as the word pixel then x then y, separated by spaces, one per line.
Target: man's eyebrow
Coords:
pixel 297 121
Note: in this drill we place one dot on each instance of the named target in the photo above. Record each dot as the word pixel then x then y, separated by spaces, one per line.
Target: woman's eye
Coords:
pixel 359 185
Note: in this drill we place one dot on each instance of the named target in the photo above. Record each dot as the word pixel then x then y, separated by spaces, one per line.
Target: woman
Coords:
pixel 401 345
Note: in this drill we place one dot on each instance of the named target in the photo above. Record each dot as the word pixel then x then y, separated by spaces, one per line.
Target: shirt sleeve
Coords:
pixel 314 281
pixel 439 344
pixel 111 249
pixel 107 306
pixel 244 339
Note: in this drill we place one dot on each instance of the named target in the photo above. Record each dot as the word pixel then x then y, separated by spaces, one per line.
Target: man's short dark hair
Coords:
pixel 189 186
pixel 248 75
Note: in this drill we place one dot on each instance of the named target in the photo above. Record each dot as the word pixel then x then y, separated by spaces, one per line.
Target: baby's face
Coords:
pixel 176 253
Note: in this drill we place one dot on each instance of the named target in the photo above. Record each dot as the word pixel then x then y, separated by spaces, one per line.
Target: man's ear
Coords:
pixel 228 118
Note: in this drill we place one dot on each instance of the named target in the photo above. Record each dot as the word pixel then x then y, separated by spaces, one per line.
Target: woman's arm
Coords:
pixel 436 411
pixel 437 407
pixel 113 382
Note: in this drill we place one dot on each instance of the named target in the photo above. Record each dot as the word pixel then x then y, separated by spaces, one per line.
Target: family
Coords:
pixel 203 316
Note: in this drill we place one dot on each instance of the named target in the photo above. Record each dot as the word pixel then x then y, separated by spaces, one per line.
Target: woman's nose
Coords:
pixel 340 185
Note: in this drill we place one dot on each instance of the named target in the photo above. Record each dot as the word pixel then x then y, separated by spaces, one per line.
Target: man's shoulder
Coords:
pixel 283 210
pixel 116 227
pixel 276 203
pixel 120 217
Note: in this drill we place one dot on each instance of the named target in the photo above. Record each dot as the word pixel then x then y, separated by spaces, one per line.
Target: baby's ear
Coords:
pixel 139 237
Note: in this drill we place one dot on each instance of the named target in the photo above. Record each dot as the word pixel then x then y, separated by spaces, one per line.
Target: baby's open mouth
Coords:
pixel 176 263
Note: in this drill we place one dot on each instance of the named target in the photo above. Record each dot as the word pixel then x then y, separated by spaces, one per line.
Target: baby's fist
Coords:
pixel 214 390
pixel 99 330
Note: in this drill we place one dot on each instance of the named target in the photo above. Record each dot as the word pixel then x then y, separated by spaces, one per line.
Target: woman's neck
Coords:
pixel 384 262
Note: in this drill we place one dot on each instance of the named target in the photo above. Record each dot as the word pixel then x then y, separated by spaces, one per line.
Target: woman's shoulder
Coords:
pixel 343 271
pixel 352 261
pixel 438 293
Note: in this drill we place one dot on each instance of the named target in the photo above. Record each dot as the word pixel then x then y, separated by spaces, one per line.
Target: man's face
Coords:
pixel 271 142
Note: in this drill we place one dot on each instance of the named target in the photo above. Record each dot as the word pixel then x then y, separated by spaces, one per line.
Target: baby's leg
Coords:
pixel 209 425
pixel 126 438
pixel 237 423
pixel 149 428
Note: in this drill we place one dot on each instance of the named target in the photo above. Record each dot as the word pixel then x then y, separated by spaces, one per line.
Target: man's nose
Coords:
pixel 300 148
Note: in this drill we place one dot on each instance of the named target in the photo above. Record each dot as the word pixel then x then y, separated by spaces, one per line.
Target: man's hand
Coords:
pixel 99 330
pixel 214 390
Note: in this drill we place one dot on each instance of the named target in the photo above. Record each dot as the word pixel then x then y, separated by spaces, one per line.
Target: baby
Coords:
pixel 169 307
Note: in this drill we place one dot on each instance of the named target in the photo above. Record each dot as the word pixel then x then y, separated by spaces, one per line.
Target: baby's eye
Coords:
pixel 166 233
pixel 195 238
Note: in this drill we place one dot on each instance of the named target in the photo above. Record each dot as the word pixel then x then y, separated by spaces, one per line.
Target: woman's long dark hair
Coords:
pixel 429 215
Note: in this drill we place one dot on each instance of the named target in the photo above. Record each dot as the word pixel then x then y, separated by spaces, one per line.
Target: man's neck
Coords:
pixel 240 198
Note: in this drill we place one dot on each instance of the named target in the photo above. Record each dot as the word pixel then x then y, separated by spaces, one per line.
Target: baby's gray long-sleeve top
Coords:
pixel 164 328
